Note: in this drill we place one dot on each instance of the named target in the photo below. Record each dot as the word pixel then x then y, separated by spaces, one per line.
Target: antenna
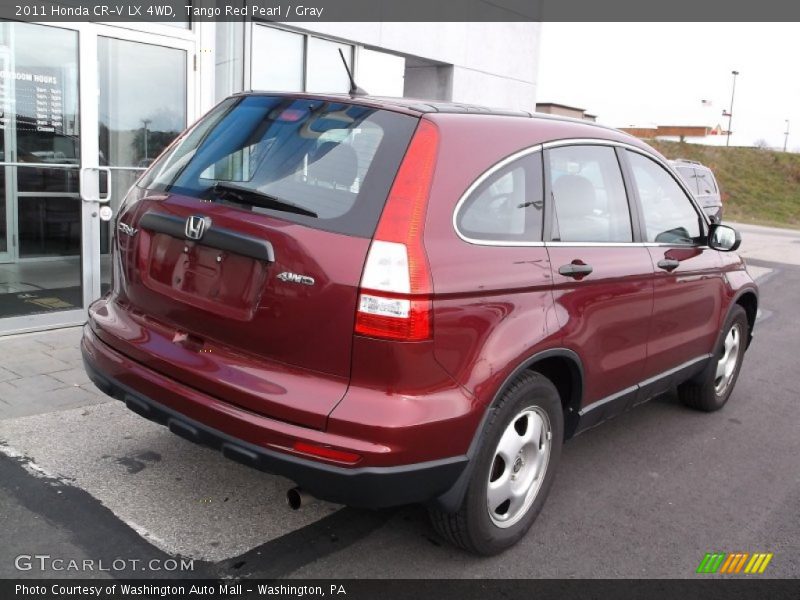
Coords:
pixel 354 89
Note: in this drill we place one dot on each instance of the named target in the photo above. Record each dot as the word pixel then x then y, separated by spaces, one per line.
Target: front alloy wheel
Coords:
pixel 726 366
pixel 710 389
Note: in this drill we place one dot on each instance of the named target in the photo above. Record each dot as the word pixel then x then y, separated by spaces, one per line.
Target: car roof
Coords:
pixel 420 106
pixel 415 105
pixel 440 110
pixel 685 162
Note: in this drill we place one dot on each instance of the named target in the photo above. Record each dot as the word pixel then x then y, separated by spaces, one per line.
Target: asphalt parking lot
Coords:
pixel 645 495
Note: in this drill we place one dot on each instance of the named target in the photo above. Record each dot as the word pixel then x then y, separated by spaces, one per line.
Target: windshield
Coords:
pixel 322 163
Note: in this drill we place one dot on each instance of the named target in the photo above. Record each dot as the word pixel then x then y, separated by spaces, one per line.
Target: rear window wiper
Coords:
pixel 256 198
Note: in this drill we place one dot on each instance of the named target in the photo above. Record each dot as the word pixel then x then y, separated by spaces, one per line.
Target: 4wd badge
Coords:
pixel 295 278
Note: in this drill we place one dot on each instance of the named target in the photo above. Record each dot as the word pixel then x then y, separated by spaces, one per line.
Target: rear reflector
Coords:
pixel 326 452
pixel 394 302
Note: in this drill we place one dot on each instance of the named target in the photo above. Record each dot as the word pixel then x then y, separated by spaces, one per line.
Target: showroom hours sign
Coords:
pixel 35 96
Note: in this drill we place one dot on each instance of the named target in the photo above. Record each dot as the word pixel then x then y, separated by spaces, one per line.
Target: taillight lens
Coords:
pixel 394 301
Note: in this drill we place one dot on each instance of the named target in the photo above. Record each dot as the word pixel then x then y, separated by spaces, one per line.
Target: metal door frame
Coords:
pixel 88 82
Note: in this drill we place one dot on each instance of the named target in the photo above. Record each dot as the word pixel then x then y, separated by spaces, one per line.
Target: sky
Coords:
pixel 659 73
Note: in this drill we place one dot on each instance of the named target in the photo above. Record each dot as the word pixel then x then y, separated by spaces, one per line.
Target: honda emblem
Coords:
pixel 196 227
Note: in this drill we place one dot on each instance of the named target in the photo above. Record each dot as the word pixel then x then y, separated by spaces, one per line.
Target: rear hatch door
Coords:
pixel 239 273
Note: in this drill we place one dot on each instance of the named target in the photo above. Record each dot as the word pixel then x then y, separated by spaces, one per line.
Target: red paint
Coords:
pixel 284 366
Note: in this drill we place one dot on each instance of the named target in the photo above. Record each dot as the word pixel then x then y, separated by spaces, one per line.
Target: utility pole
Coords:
pixel 786 136
pixel 146 122
pixel 730 111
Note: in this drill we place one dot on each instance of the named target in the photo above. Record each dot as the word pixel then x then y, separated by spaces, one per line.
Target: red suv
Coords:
pixel 392 301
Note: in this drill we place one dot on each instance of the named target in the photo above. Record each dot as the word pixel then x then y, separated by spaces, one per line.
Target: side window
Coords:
pixel 706 183
pixel 507 207
pixel 588 195
pixel 690 177
pixel 669 215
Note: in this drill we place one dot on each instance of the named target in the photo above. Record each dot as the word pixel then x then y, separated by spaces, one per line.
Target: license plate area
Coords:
pixel 208 278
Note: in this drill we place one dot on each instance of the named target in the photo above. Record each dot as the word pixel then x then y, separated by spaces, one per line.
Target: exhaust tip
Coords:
pixel 294 498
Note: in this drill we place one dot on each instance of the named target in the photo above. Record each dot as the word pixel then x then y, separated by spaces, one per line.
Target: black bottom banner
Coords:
pixel 377 589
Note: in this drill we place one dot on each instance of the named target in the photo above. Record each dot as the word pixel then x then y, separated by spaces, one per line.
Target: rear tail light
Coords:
pixel 394 299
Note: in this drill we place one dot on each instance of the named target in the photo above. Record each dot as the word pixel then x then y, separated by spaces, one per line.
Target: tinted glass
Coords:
pixel 142 100
pixel 669 215
pixel 40 210
pixel 325 164
pixel 589 195
pixel 689 176
pixel 3 210
pixel 705 181
pixel 507 206
pixel 39 94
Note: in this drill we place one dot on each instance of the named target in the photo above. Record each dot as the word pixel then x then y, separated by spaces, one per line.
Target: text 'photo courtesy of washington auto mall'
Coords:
pixel 372 300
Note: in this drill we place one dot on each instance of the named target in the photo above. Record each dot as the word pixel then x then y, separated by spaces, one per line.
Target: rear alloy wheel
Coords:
pixel 712 388
pixel 518 467
pixel 512 470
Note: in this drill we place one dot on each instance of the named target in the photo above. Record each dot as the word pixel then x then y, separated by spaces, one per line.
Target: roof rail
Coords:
pixel 686 160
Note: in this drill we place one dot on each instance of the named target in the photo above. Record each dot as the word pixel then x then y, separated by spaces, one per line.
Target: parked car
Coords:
pixel 703 185
pixel 391 301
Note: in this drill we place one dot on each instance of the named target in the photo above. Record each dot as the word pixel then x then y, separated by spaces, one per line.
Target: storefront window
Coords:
pixel 285 61
pixel 142 100
pixel 142 109
pixel 325 71
pixel 229 63
pixel 276 62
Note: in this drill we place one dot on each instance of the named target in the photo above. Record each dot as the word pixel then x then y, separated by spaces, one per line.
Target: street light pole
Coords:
pixel 730 111
pixel 786 136
pixel 146 122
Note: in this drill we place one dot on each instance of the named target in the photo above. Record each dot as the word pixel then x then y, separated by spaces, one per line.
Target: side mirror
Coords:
pixel 723 238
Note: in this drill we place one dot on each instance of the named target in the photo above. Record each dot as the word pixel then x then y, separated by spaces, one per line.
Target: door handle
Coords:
pixel 91 193
pixel 575 269
pixel 669 264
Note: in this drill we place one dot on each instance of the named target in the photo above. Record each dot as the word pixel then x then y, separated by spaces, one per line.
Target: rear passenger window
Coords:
pixel 588 195
pixel 506 207
pixel 690 177
pixel 705 182
pixel 669 214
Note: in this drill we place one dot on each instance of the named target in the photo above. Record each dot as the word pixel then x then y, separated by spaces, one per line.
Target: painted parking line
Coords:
pixel 181 497
pixel 758 272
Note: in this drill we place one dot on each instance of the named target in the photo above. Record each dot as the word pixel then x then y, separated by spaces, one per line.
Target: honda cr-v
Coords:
pixel 393 302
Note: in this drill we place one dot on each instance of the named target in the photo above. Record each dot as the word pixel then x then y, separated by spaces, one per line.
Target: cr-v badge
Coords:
pixel 295 278
pixel 127 229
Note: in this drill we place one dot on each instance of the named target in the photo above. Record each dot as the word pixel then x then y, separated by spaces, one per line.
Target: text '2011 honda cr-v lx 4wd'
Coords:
pixel 391 302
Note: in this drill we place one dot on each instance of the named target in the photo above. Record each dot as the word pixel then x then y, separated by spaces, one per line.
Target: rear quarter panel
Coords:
pixel 493 305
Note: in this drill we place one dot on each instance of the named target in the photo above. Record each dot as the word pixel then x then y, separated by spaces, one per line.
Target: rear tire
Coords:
pixel 513 469
pixel 714 386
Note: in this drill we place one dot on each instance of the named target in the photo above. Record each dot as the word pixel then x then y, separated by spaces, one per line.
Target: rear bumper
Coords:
pixel 368 487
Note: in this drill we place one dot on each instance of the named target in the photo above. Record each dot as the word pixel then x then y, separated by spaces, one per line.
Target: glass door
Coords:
pixel 143 105
pixel 84 109
pixel 41 277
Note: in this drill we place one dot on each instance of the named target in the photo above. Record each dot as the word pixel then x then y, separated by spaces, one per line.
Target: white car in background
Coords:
pixel 703 185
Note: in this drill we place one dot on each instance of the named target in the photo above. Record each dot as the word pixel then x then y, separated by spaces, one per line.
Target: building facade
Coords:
pixel 87 106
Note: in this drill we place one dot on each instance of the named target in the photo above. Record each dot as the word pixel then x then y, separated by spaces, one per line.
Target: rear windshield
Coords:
pixel 325 164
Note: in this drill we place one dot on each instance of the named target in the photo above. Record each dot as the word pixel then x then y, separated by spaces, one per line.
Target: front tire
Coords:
pixel 718 379
pixel 513 470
